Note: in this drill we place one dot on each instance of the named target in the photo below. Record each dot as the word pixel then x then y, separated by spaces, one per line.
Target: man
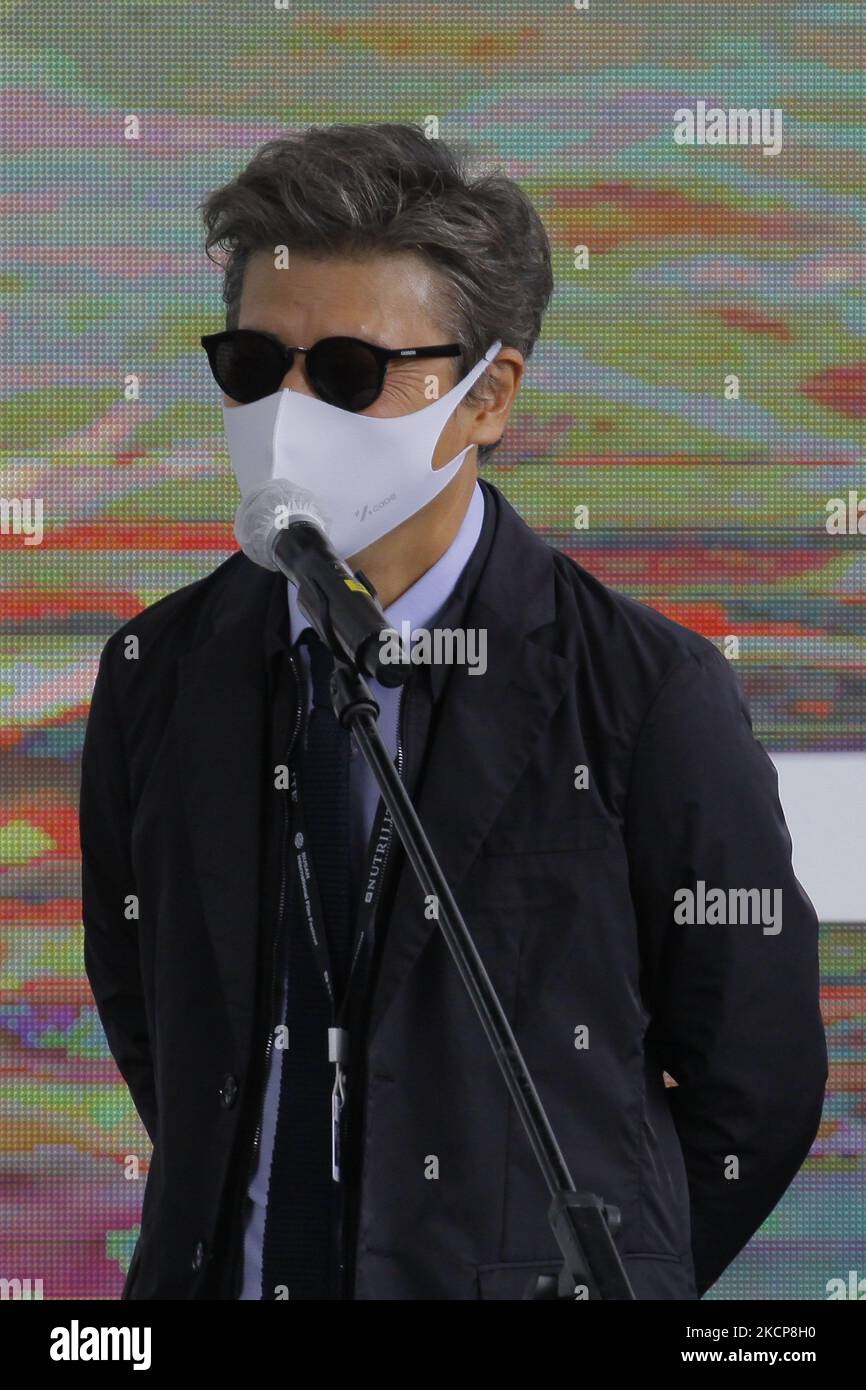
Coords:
pixel 608 822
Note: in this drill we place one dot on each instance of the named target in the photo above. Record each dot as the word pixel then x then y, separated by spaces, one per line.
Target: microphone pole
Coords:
pixel 582 1223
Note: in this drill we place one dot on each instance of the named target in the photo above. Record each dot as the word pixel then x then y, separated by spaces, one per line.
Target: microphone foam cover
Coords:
pixel 269 509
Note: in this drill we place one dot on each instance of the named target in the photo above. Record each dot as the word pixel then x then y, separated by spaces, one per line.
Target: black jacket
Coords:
pixel 568 892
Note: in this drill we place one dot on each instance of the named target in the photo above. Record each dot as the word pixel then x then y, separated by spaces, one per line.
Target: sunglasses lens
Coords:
pixel 247 366
pixel 345 373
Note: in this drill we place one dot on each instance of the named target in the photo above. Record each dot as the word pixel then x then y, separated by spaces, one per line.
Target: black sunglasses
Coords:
pixel 248 365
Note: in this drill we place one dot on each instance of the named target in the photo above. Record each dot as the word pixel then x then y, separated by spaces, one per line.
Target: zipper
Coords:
pixel 344 1224
pixel 269 1045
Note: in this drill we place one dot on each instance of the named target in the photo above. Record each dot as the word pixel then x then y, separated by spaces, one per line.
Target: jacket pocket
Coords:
pixel 510 1281
pixel 657 1276
pixel 652 1276
pixel 563 835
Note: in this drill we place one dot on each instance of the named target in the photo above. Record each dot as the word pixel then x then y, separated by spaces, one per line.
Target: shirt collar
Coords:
pixel 423 599
pixel 439 594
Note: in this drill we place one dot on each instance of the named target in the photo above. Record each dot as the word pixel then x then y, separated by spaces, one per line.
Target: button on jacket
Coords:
pixel 602 768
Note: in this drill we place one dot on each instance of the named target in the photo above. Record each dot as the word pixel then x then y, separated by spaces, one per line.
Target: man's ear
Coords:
pixel 499 385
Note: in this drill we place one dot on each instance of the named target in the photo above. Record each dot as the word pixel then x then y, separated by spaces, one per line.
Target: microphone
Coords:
pixel 281 527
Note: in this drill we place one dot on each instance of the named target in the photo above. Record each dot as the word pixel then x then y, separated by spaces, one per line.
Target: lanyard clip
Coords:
pixel 338 1053
pixel 338 1047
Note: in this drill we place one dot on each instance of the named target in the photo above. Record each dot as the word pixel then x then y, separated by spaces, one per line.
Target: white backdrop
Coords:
pixel 824 799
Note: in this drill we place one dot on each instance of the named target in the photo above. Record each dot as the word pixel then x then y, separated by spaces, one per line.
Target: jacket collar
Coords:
pixel 486 732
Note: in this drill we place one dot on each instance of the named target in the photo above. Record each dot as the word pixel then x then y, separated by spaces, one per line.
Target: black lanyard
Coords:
pixel 371 882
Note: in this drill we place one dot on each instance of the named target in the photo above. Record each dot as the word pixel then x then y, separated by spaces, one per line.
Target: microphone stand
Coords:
pixel 582 1223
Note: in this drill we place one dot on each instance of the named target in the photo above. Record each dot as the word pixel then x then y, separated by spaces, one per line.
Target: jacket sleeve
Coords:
pixel 734 1009
pixel 111 957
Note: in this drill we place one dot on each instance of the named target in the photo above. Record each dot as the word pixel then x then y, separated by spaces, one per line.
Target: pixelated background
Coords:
pixel 703 261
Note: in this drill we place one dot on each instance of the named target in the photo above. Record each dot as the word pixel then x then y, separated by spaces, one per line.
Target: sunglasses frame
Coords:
pixel 211 341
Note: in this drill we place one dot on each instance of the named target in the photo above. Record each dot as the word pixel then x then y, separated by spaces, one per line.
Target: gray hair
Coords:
pixel 363 189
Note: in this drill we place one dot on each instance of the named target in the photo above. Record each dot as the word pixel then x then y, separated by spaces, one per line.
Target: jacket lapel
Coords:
pixel 487 731
pixel 223 729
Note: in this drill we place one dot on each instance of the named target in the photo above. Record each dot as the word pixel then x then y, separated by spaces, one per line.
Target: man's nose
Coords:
pixel 296 378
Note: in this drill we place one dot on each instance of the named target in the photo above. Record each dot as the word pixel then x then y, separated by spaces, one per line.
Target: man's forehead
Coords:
pixel 334 298
pixel 401 278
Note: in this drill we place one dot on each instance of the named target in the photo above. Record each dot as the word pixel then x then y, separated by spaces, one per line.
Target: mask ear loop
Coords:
pixel 489 357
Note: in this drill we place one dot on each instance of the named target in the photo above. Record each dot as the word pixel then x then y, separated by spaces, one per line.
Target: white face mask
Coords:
pixel 367 474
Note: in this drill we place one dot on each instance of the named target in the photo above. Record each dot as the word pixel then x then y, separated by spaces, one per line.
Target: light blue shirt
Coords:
pixel 417 606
